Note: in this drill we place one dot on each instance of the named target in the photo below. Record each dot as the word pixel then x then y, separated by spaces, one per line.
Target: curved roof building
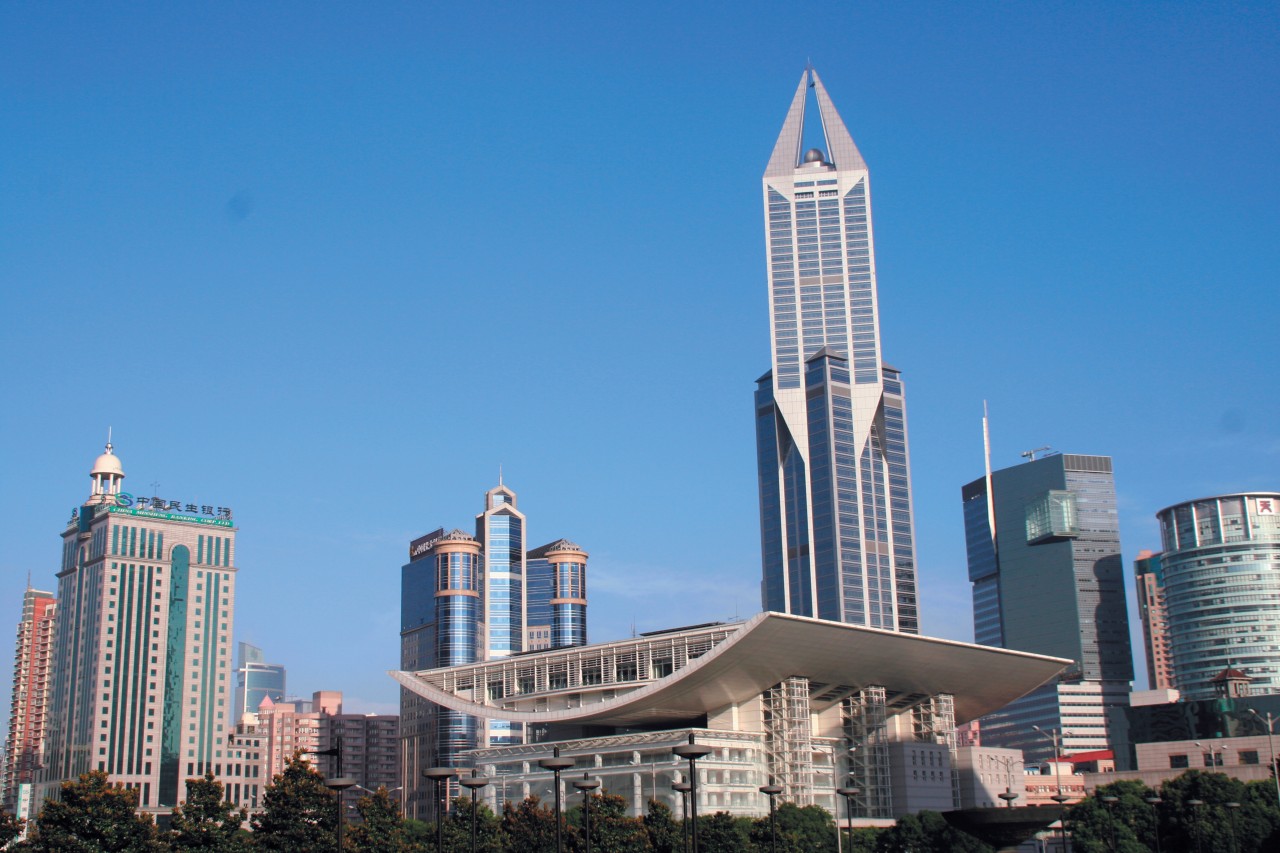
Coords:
pixel 807 702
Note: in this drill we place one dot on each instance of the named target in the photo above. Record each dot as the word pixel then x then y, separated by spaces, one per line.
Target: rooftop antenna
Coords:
pixel 108 439
pixel 155 488
pixel 1030 455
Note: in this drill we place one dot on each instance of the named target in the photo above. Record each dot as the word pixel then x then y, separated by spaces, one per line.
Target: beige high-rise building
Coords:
pixel 142 676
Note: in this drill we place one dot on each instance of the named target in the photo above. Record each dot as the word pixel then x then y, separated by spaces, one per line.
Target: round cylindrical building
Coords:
pixel 568 594
pixel 1221 565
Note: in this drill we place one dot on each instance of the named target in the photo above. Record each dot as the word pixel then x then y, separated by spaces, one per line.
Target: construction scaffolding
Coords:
pixel 934 721
pixel 788 740
pixel 864 719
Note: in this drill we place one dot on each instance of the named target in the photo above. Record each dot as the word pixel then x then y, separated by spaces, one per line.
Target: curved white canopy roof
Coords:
pixel 837 658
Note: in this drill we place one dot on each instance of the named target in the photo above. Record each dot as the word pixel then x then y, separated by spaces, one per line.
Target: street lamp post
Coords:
pixel 439 776
pixel 339 785
pixel 1231 810
pixel 556 764
pixel 771 791
pixel 1008 796
pixel 1110 802
pixel 473 783
pixel 683 788
pixel 849 794
pixel 1060 798
pixel 586 785
pixel 1195 819
pixel 1214 756
pixel 693 751
pixel 1275 770
pixel 1155 802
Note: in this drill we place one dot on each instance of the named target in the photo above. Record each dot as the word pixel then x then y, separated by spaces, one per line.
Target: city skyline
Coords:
pixel 287 243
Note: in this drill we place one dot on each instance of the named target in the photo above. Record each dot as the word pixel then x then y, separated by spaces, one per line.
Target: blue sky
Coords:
pixel 332 265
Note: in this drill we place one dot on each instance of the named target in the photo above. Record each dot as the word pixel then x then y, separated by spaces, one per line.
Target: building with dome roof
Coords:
pixel 141 662
pixel 470 598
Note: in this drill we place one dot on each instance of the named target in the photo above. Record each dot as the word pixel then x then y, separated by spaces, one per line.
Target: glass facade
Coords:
pixel 500 530
pixel 1052 582
pixel 256 680
pixel 467 599
pixel 837 538
pixel 1221 590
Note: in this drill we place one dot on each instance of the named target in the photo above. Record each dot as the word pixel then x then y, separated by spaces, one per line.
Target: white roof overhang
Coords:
pixel 770 647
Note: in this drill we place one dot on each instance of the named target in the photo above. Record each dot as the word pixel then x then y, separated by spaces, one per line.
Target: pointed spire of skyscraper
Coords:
pixel 786 151
pixel 840 148
pixel 841 151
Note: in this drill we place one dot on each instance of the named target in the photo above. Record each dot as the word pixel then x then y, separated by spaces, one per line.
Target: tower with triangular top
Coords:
pixel 834 473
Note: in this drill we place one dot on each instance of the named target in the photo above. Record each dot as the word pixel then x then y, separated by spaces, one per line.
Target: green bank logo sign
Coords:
pixel 172 510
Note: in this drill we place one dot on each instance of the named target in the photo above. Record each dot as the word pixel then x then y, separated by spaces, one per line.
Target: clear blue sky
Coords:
pixel 334 264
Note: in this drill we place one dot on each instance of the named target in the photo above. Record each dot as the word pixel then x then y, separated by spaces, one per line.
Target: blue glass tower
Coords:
pixel 466 599
pixel 837 540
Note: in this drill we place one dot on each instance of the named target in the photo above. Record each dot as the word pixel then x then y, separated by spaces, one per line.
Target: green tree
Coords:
pixel 206 821
pixel 457 828
pixel 723 833
pixel 299 812
pixel 94 816
pixel 528 827
pixel 10 828
pixel 381 828
pixel 865 840
pixel 612 830
pixel 800 830
pixel 664 833
pixel 1255 824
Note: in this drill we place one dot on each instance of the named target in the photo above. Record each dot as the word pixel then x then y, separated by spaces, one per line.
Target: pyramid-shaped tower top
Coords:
pixel 841 152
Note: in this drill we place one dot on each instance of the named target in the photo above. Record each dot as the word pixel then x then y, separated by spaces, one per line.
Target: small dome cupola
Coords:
pixel 814 155
pixel 107 475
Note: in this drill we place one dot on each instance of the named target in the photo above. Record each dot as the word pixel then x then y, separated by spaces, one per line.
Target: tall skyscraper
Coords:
pixel 1149 574
pixel 142 656
pixel 464 599
pixel 1048 578
pixel 1220 590
pixel 256 680
pixel 24 748
pixel 831 433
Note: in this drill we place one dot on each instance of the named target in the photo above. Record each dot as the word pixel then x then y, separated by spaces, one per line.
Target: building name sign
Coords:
pixel 128 501
pixel 1267 506
pixel 420 547
pixel 168 510
pixel 171 516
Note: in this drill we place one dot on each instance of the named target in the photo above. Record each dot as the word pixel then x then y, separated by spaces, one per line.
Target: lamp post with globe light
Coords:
pixel 439 777
pixel 693 751
pixel 473 783
pixel 586 785
pixel 556 765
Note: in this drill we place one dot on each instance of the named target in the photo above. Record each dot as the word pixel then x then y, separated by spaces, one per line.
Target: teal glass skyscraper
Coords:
pixel 831 433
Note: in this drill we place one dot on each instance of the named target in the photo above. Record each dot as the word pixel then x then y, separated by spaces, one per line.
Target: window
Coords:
pixel 1178 762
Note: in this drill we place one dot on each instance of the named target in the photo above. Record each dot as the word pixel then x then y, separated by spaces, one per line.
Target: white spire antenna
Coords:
pixel 108 439
pixel 986 453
